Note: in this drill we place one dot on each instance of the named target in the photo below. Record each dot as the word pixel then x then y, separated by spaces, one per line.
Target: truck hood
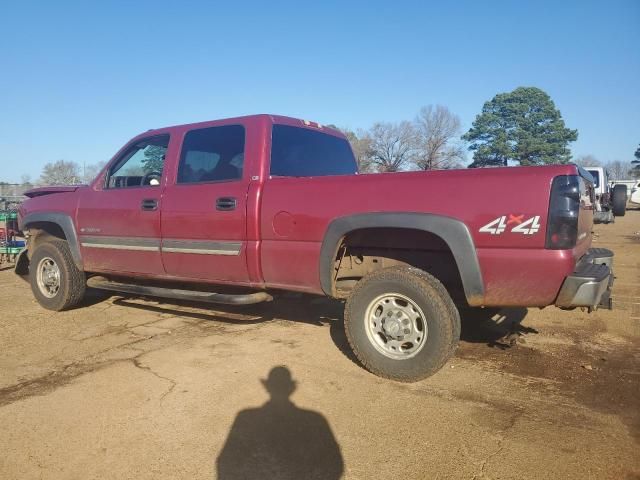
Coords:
pixel 40 191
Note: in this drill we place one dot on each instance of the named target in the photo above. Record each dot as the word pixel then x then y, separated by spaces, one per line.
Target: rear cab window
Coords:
pixel 302 152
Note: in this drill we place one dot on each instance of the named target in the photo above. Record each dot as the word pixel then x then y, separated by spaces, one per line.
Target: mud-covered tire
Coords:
pixel 619 200
pixel 53 259
pixel 425 297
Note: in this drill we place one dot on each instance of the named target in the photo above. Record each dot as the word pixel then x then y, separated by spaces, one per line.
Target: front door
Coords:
pixel 204 209
pixel 119 220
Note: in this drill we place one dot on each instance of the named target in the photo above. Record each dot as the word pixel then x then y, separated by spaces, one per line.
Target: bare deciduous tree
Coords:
pixel 25 180
pixel 393 146
pixel 91 171
pixel 437 130
pixel 361 145
pixel 619 170
pixel 60 173
pixel 587 161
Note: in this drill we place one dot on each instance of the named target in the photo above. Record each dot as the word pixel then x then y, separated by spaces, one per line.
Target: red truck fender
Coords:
pixel 55 221
pixel 452 231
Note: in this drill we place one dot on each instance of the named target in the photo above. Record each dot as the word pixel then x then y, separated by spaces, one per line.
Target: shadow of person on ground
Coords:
pixel 497 327
pixel 280 441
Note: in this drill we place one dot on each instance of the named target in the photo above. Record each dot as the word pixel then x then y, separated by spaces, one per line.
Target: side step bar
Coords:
pixel 178 294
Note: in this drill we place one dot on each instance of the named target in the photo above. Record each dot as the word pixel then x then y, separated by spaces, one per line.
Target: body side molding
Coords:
pixel 201 247
pixel 454 232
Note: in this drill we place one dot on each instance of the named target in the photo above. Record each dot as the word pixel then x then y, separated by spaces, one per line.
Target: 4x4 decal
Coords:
pixel 500 224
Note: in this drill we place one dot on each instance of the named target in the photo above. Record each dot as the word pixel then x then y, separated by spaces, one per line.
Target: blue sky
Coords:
pixel 78 79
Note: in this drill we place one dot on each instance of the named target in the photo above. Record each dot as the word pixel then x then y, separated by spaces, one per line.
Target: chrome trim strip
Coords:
pixel 201 247
pixel 145 244
pixel 200 251
pixel 120 247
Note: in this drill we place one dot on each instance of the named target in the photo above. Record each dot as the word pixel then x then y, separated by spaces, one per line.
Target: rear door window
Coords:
pixel 301 152
pixel 214 154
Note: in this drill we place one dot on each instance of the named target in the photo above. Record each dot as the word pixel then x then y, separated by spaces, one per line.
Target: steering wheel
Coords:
pixel 149 176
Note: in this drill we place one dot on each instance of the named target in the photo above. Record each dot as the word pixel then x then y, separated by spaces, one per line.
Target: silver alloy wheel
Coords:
pixel 396 326
pixel 48 277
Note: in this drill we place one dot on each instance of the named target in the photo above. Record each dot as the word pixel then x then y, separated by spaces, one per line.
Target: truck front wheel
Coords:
pixel 401 323
pixel 55 280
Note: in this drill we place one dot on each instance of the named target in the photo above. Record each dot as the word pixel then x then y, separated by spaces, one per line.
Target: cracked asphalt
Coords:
pixel 136 388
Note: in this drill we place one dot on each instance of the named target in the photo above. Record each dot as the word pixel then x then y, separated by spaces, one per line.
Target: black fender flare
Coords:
pixel 65 222
pixel 454 233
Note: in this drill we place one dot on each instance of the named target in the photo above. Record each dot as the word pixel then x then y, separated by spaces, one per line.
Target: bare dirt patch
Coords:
pixel 134 388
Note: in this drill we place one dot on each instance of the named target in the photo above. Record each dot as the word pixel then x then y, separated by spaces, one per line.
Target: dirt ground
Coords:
pixel 129 388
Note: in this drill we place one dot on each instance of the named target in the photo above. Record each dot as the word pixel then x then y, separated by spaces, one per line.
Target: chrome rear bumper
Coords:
pixel 590 284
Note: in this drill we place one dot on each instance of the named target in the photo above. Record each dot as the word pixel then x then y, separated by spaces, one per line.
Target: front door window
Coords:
pixel 141 165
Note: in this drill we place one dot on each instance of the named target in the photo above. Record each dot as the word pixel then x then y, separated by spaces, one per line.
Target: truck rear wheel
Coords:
pixel 619 200
pixel 401 323
pixel 55 280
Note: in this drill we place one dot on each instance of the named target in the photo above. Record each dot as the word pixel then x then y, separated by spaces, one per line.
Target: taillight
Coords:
pixel 564 207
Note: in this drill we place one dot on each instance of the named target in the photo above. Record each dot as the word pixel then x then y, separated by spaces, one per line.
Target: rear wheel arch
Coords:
pixel 451 231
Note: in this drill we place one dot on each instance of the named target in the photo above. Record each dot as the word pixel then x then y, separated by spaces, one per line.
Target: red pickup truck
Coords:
pixel 267 203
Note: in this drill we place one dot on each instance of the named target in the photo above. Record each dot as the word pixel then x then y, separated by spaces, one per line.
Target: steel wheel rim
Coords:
pixel 48 277
pixel 396 326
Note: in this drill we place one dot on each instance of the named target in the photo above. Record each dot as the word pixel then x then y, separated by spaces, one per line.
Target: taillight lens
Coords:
pixel 564 207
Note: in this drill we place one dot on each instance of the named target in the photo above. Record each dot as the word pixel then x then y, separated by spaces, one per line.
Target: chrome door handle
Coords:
pixel 149 204
pixel 226 204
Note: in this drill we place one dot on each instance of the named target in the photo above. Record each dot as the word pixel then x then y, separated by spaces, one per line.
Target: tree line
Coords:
pixel 62 172
pixel 521 127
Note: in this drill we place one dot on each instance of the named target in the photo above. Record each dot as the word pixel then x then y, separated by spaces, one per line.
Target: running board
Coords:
pixel 191 295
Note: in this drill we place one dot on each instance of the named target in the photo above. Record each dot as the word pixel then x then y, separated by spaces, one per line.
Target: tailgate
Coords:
pixel 585 215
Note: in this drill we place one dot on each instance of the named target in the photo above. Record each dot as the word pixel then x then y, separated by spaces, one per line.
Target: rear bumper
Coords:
pixel 590 284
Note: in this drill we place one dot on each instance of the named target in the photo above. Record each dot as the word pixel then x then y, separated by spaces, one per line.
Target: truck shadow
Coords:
pixel 496 328
pixel 299 308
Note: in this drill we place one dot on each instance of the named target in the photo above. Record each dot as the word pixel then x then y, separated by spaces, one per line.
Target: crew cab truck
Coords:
pixel 268 203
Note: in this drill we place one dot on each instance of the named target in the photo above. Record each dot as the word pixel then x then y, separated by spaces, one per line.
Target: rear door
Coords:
pixel 204 209
pixel 119 219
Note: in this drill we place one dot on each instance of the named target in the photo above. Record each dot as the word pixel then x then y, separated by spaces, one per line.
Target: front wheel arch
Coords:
pixel 56 225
